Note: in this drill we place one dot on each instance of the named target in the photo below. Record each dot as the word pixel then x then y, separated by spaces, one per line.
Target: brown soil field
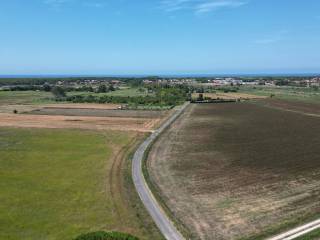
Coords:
pixel 84 105
pixel 294 106
pixel 238 170
pixel 98 112
pixel 227 96
pixel 82 122
pixel 83 116
pixel 8 108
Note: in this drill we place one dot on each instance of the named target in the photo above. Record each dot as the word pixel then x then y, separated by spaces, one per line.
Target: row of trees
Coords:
pixel 164 96
pixel 136 100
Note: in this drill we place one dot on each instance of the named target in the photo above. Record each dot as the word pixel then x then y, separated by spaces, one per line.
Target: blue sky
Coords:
pixel 159 36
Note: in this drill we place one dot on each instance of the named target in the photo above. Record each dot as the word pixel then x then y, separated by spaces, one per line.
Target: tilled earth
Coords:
pixel 236 170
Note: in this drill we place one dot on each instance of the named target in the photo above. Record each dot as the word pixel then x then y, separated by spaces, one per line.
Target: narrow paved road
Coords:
pixel 161 219
pixel 298 232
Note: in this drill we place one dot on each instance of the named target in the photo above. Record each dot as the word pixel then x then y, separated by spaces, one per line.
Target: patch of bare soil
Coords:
pixel 228 96
pixel 235 170
pixel 98 112
pixel 82 122
pixel 22 108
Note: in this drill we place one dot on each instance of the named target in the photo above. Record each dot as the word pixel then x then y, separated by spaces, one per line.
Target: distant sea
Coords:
pixel 163 75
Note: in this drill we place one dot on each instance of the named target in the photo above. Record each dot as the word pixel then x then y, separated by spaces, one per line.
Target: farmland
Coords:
pixel 57 184
pixel 65 167
pixel 34 112
pixel 239 170
pixel 228 96
pixel 24 97
pixel 311 95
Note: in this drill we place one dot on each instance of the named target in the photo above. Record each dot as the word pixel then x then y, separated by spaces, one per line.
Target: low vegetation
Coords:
pixel 57 184
pixel 304 94
pixel 106 236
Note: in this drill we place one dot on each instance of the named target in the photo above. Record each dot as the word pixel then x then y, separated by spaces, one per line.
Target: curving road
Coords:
pixel 161 219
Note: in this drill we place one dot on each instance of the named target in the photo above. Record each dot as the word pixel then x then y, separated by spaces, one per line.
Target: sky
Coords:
pixel 123 37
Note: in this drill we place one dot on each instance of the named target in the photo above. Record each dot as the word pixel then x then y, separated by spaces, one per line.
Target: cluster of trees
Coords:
pixel 104 88
pixel 132 81
pixel 136 100
pixel 58 92
pixel 164 96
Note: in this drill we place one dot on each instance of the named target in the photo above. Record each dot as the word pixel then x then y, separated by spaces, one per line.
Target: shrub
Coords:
pixel 106 236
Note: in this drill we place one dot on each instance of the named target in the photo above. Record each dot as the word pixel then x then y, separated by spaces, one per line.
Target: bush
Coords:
pixel 106 236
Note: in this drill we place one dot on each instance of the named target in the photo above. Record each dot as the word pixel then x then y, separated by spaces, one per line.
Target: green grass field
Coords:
pixel 55 184
pixel 25 97
pixel 286 93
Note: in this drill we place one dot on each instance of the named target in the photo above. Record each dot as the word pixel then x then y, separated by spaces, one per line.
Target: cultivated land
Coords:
pixel 36 110
pixel 309 95
pixel 239 170
pixel 66 170
pixel 86 116
pixel 228 96
pixel 57 184
pixel 24 97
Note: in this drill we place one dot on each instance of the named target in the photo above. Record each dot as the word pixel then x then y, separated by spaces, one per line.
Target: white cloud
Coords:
pixel 200 6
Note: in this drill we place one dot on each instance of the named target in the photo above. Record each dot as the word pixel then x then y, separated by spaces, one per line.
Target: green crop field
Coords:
pixel 57 184
pixel 287 93
pixel 24 97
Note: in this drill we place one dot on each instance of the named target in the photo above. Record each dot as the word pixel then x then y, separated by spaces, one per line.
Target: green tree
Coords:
pixel 46 87
pixel 102 89
pixel 111 88
pixel 58 92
